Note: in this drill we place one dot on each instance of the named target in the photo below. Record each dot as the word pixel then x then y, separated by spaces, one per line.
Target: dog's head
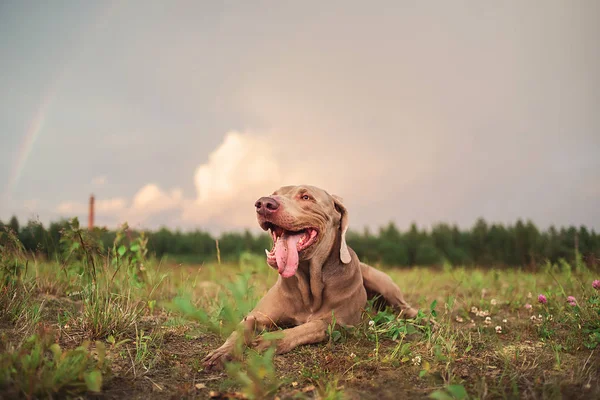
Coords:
pixel 304 222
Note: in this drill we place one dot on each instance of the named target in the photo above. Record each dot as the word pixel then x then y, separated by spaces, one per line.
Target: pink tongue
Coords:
pixel 286 254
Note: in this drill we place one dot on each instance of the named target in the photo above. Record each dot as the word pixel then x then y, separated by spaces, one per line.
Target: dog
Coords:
pixel 320 277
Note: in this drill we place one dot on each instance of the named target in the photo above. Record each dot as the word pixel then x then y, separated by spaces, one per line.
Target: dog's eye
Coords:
pixel 306 197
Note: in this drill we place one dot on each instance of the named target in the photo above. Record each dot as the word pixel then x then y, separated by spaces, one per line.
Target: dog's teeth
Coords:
pixel 267 252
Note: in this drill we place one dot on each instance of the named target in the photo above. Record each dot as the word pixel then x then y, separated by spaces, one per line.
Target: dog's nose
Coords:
pixel 266 205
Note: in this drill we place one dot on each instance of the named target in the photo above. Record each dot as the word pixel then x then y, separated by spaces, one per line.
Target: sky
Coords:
pixel 183 113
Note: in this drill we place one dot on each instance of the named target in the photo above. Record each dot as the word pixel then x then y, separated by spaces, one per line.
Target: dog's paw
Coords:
pixel 261 344
pixel 215 360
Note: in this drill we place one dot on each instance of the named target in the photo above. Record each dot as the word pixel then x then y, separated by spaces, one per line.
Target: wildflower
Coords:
pixel 542 299
pixel 498 329
pixel 474 310
pixel 459 319
pixel 488 320
pixel 571 300
pixel 528 306
pixel 371 324
pixel 504 320
pixel 493 302
pixel 352 355
pixel 596 284
pixel 416 360
pixel 529 295
pixel 533 318
pixel 483 313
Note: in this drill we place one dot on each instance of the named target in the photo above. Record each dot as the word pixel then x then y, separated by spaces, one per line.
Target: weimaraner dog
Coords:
pixel 319 275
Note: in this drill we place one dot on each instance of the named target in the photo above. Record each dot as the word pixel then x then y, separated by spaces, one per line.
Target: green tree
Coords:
pixel 14 224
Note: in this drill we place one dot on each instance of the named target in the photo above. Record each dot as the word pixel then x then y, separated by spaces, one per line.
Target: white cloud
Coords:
pixel 31 205
pixel 151 199
pixel 239 171
pixel 115 205
pixel 70 208
pixel 244 167
pixel 99 180
pixel 102 206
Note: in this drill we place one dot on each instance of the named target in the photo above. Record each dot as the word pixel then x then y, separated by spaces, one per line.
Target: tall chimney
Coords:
pixel 91 214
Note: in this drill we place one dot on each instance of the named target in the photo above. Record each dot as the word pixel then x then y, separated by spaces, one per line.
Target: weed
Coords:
pixel 39 367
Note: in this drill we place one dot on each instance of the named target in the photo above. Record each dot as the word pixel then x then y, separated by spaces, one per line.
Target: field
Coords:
pixel 115 323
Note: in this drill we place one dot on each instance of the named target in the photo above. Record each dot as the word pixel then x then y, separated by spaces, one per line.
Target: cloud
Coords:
pixel 114 205
pixel 31 205
pixel 151 199
pixel 241 169
pixel 103 206
pixel 99 180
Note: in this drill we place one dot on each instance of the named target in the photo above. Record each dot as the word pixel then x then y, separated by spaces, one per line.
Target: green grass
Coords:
pixel 152 322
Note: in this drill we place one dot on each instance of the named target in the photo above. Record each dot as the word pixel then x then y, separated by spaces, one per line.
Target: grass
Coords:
pixel 117 322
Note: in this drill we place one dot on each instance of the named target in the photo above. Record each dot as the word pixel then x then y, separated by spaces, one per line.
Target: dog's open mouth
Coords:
pixel 284 256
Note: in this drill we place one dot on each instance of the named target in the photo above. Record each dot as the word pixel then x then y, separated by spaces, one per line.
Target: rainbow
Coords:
pixel 37 123
pixel 24 150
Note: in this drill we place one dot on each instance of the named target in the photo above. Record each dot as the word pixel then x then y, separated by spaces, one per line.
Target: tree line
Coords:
pixel 484 244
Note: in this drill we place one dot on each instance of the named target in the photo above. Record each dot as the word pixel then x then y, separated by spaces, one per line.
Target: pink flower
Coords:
pixel 596 284
pixel 542 299
pixel 528 306
pixel 571 300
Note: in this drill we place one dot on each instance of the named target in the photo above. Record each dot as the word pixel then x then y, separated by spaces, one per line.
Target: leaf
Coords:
pixel 433 305
pixel 93 381
pixel 457 391
pixel 336 335
pixel 56 352
pixel 122 249
pixel 134 247
pixel 440 395
pixel 101 349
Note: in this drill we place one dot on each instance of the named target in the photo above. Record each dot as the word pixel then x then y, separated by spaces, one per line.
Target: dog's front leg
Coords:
pixel 249 326
pixel 314 331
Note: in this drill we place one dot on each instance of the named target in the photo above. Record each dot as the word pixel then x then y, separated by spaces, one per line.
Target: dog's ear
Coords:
pixel 339 206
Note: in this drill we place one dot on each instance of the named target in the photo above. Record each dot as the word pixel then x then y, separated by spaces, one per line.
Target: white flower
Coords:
pixel 488 320
pixel 474 310
pixel 529 295
pixel 371 324
pixel 498 329
pixel 504 320
pixel 352 355
pixel 459 319
pixel 494 302
pixel 416 360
